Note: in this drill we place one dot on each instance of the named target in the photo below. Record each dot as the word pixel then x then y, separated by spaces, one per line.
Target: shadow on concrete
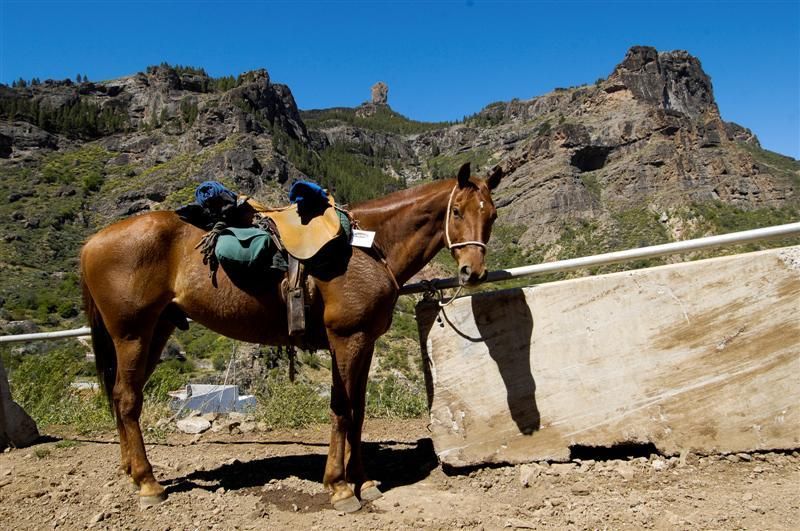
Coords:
pixel 506 330
pixel 505 325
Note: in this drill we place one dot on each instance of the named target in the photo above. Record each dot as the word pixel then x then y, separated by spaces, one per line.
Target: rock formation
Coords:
pixel 380 93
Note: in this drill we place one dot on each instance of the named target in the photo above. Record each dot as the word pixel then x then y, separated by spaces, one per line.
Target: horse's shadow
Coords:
pixel 393 466
pixel 505 329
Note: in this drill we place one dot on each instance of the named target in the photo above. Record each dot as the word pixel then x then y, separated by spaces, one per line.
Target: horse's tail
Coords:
pixel 105 355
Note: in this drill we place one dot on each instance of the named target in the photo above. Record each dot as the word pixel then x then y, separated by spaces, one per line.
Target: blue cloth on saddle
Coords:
pixel 210 190
pixel 302 191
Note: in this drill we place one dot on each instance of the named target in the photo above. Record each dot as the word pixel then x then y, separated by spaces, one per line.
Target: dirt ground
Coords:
pixel 273 480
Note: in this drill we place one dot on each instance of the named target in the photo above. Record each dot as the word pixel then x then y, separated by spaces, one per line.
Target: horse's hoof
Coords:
pixel 149 501
pixel 370 493
pixel 347 505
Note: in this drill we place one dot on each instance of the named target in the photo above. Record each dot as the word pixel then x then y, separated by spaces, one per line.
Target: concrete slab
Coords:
pixel 702 356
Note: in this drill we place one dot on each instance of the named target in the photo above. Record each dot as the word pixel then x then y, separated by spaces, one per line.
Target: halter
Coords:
pixel 451 245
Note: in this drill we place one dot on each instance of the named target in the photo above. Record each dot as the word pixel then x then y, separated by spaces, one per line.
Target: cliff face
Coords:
pixel 649 135
pixel 644 148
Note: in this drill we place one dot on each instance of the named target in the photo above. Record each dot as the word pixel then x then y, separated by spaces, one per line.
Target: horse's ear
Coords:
pixel 495 175
pixel 463 175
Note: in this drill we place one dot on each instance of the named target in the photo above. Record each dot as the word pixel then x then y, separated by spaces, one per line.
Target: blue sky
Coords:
pixel 441 60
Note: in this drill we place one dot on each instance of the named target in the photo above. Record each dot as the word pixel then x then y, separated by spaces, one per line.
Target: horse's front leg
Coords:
pixel 351 357
pixel 365 489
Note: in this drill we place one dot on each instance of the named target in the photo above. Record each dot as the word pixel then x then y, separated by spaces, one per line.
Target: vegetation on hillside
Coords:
pixel 384 119
pixel 79 118
pixel 351 176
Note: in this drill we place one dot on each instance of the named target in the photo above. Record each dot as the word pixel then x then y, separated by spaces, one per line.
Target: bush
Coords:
pixel 393 397
pixel 282 404
pixel 41 384
pixel 168 376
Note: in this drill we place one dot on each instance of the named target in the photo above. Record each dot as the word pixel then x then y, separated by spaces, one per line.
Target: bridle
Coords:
pixel 450 244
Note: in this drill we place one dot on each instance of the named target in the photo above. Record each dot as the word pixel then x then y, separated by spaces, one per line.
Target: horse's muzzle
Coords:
pixel 468 277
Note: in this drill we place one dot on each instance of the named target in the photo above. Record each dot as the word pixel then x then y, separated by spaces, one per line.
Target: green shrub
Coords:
pixel 169 376
pixel 393 397
pixel 282 404
pixel 41 384
pixel 383 119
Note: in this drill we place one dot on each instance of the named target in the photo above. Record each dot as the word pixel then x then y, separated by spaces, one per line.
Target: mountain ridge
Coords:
pixel 639 157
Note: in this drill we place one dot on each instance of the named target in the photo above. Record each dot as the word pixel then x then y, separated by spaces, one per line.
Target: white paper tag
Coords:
pixel 363 238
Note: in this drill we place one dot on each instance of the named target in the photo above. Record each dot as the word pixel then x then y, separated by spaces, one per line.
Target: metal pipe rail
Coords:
pixel 40 336
pixel 572 264
pixel 778 231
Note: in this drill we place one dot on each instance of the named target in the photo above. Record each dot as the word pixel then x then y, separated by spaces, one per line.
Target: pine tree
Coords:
pixel 78 78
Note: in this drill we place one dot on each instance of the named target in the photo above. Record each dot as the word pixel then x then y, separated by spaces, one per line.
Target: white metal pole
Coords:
pixel 60 334
pixel 618 256
pixel 778 231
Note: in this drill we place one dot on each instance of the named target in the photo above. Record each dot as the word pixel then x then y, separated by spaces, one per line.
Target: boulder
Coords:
pixel 193 425
pixel 17 428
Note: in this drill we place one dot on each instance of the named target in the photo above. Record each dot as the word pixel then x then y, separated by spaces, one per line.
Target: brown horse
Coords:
pixel 142 276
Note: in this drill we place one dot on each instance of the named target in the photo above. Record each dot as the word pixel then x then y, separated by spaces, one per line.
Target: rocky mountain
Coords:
pixel 640 157
pixel 648 136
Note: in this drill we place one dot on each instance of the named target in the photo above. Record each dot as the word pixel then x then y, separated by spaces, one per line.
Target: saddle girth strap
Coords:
pixel 295 297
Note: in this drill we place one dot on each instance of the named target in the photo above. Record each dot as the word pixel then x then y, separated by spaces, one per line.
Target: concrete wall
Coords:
pixel 702 356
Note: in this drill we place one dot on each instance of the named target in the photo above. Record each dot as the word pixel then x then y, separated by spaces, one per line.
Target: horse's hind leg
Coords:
pixel 160 336
pixel 132 365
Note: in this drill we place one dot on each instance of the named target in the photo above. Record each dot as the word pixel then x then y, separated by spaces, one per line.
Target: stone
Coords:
pixel 248 426
pixel 581 489
pixel 17 428
pixel 625 470
pixel 523 368
pixel 562 469
pixel 193 425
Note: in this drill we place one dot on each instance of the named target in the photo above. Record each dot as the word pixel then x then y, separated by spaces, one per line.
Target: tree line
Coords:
pixel 77 119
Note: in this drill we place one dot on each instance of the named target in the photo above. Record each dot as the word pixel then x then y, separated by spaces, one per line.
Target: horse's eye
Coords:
pixel 456 212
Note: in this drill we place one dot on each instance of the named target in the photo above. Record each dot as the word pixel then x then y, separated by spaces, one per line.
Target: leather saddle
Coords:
pixel 302 235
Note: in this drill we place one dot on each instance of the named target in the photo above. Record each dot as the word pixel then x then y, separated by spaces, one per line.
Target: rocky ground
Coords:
pixel 272 479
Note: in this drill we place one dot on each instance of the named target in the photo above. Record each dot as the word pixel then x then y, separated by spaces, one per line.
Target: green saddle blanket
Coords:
pixel 247 249
pixel 250 249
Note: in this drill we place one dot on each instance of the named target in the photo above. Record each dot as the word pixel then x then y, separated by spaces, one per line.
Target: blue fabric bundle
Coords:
pixel 303 191
pixel 210 190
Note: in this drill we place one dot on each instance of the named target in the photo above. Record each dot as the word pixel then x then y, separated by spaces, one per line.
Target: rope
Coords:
pixel 207 245
pixel 431 293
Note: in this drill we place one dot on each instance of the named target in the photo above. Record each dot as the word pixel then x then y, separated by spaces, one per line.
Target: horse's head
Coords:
pixel 468 223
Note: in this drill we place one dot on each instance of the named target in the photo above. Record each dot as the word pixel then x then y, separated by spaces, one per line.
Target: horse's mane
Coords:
pixel 403 197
